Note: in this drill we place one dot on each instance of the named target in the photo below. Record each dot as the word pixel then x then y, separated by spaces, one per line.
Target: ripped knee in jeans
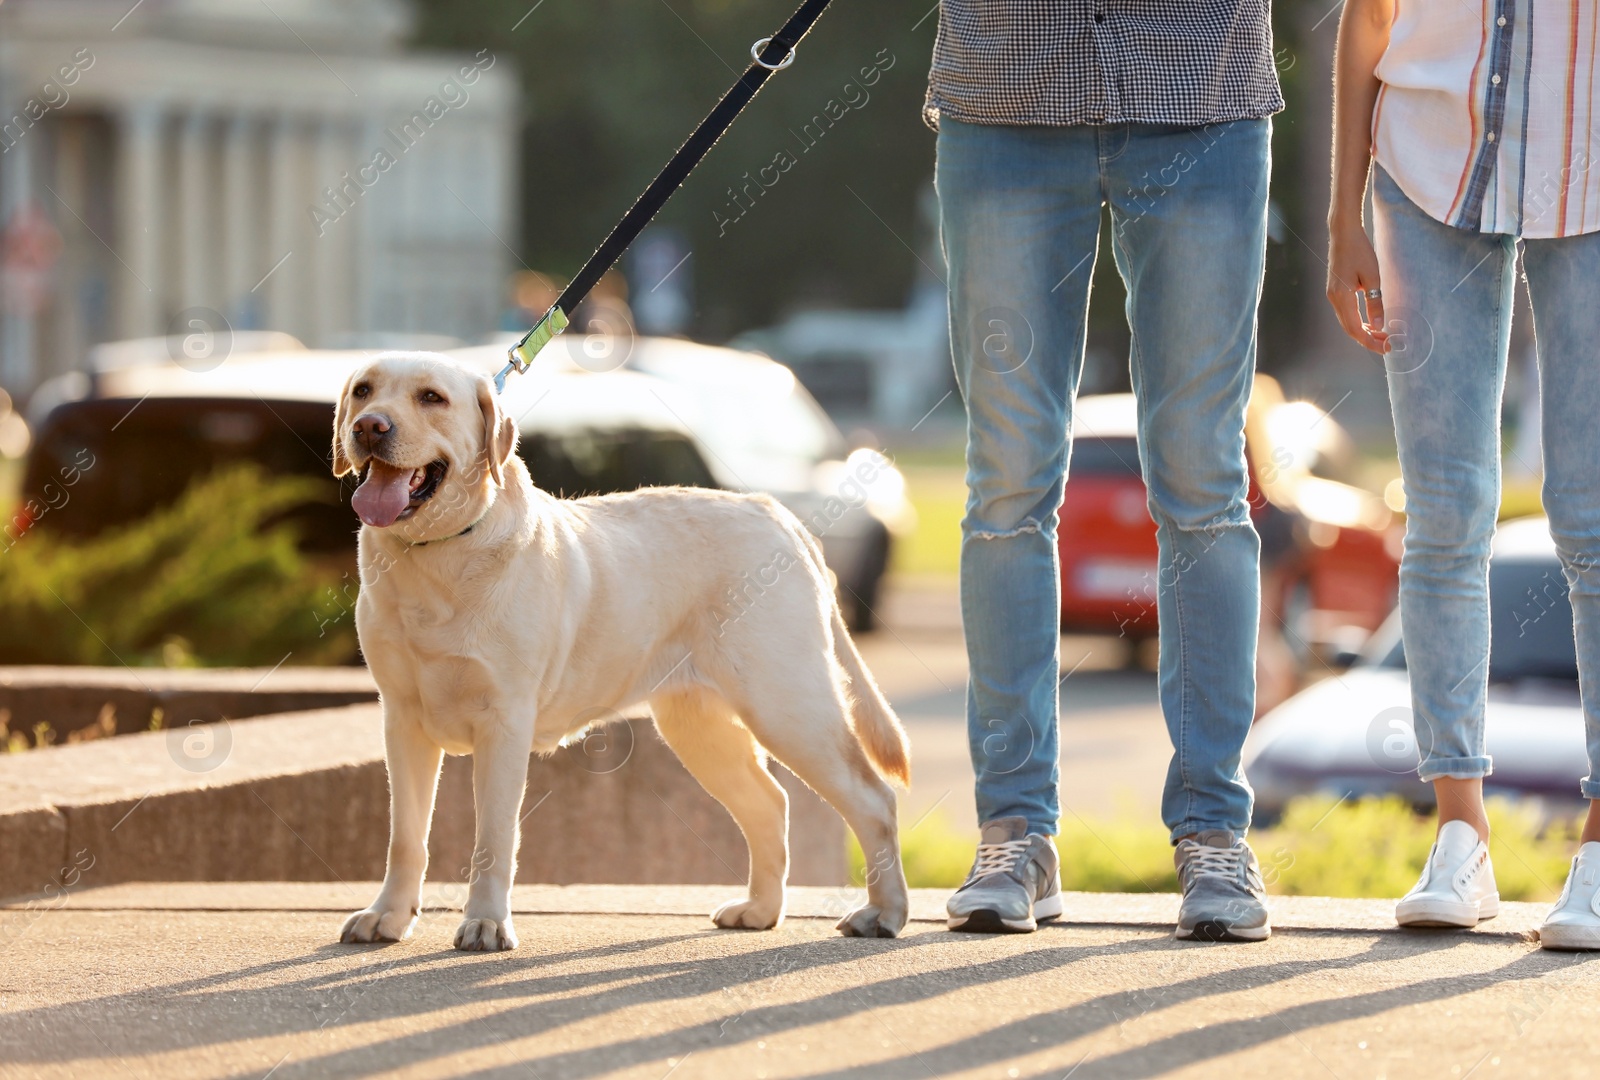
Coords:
pixel 1028 525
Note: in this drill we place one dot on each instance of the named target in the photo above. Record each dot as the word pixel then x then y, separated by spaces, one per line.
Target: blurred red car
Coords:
pixel 1106 536
pixel 1330 548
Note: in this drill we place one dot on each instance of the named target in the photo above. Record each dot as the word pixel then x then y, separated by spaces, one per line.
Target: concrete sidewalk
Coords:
pixel 233 980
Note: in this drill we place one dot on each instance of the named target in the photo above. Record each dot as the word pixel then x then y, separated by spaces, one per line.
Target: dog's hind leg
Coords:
pixel 719 752
pixel 413 764
pixel 802 722
pixel 499 775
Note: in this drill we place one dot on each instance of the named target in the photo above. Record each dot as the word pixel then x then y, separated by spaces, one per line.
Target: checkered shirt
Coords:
pixel 1102 62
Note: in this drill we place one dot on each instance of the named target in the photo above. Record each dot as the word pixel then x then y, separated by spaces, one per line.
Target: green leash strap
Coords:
pixel 767 55
pixel 520 355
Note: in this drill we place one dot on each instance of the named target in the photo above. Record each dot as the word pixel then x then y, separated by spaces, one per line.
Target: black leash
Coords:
pixel 767 55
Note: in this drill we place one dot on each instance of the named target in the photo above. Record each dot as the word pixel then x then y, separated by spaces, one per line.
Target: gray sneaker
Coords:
pixel 1223 896
pixel 1014 884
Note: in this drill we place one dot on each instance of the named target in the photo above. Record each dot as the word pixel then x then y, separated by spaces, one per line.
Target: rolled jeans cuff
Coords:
pixel 1590 787
pixel 1456 768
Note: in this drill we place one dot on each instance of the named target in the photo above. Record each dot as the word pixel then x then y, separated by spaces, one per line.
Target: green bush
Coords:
pixel 1124 854
pixel 1321 847
pixel 215 579
pixel 1376 847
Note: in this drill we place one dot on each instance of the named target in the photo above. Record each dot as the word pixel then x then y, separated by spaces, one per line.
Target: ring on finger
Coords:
pixel 1374 294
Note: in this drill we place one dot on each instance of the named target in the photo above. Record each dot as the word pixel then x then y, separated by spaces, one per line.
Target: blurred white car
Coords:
pixel 1354 733
pixel 712 417
pixel 596 414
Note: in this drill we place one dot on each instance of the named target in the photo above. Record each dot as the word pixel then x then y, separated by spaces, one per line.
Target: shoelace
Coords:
pixel 1210 860
pixel 998 858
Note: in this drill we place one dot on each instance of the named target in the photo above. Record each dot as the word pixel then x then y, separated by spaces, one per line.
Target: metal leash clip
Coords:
pixel 761 46
pixel 521 355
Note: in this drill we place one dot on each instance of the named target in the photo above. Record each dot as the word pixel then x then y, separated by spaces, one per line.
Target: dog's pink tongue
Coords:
pixel 383 495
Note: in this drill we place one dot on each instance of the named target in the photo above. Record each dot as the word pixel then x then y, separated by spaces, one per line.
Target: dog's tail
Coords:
pixel 871 716
pixel 874 720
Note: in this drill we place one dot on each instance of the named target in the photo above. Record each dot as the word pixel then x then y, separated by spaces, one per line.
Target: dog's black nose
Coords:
pixel 370 430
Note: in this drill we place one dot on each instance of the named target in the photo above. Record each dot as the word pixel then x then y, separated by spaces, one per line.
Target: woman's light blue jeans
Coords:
pixel 1020 222
pixel 1447 303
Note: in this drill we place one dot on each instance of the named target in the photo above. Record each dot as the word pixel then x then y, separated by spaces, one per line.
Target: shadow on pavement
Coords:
pixel 514 997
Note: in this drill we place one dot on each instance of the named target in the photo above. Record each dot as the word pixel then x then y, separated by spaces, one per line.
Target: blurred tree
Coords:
pixel 613 86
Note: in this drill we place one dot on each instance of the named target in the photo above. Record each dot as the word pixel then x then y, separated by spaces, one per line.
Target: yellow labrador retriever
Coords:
pixel 495 616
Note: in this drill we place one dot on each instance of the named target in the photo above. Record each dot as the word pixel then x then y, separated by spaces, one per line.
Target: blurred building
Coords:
pixel 286 165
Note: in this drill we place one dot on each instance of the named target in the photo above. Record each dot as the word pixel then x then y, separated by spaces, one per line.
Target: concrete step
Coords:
pixel 80 699
pixel 304 797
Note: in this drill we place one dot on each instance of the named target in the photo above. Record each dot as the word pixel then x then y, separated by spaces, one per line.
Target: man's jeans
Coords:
pixel 1020 222
pixel 1447 301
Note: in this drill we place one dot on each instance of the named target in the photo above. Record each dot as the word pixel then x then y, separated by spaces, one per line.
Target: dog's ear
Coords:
pixel 499 432
pixel 341 420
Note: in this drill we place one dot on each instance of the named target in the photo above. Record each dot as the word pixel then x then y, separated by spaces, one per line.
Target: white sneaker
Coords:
pixel 1574 923
pixel 1457 886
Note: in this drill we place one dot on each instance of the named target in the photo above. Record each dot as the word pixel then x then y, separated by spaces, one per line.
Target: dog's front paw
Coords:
pixel 747 915
pixel 486 935
pixel 870 922
pixel 378 924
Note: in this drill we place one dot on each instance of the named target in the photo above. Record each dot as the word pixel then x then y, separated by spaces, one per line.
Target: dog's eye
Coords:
pixel 361 390
pixel 432 397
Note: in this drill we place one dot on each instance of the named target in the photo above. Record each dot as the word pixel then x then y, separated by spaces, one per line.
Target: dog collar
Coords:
pixel 452 536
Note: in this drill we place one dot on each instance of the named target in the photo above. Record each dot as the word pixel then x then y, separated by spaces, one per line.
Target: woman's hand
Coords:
pixel 1353 273
pixel 1352 264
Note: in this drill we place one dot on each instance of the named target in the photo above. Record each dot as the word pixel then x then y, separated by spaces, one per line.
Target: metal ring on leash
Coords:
pixel 759 47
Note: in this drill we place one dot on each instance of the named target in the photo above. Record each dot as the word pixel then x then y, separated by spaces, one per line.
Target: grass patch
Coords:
pixel 1520 498
pixel 950 454
pixel 1362 848
pixel 939 495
